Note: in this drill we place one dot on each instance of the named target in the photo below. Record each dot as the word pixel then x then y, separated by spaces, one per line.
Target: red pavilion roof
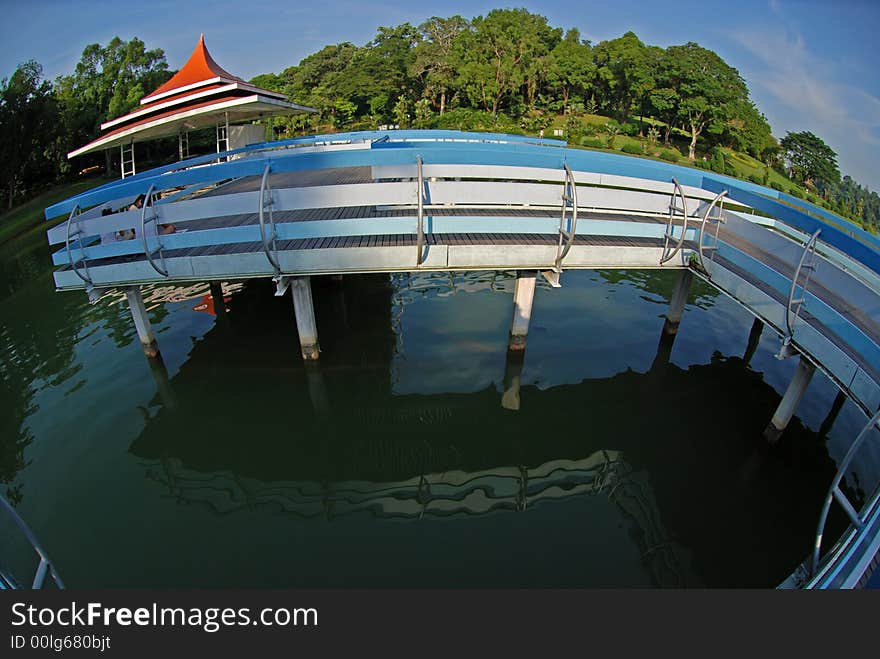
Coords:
pixel 200 69
pixel 201 94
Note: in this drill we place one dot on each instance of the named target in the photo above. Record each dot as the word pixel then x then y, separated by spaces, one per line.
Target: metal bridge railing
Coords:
pixel 669 250
pixel 857 518
pixel 45 566
pixel 270 243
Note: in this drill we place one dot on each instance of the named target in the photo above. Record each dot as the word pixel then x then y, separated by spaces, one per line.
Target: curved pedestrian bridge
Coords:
pixel 405 201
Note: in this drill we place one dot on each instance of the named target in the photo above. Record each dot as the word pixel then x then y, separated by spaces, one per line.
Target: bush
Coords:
pixel 629 129
pixel 670 156
pixel 796 192
pixel 717 162
pixel 777 186
pixel 593 143
pixel 702 164
pixel 634 149
pixel 754 178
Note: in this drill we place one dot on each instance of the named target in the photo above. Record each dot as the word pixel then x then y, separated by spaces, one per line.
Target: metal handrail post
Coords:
pixel 834 492
pixel 569 200
pixel 271 250
pixel 667 254
pixel 45 565
pixel 148 202
pixel 85 277
pixel 719 198
pixel 791 315
pixel 420 198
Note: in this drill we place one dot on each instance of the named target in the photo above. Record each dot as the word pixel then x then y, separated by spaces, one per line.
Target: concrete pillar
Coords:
pixel 304 309
pixel 512 371
pixel 141 321
pixel 790 400
pixel 523 296
pixel 679 299
pixel 754 340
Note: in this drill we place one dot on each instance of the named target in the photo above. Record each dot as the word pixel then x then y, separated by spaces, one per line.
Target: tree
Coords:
pixel 624 73
pixel 108 82
pixel 810 159
pixel 707 89
pixel 433 58
pixel 503 53
pixel 572 70
pixel 27 129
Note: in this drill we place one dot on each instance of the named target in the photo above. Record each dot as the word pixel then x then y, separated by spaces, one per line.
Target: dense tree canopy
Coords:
pixel 27 113
pixel 509 70
pixel 810 159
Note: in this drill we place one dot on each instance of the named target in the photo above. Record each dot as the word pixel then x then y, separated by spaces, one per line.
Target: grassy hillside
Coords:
pixel 28 216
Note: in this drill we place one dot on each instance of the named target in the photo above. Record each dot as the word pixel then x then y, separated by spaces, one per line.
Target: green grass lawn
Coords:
pixel 28 216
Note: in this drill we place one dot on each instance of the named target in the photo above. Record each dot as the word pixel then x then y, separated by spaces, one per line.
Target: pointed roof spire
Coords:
pixel 200 69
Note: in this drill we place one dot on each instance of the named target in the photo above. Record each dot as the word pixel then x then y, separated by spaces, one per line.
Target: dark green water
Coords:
pixel 395 463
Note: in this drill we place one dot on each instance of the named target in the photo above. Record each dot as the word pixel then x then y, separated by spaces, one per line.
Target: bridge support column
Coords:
pixel 141 321
pixel 754 340
pixel 679 298
pixel 523 296
pixel 790 400
pixel 513 366
pixel 304 310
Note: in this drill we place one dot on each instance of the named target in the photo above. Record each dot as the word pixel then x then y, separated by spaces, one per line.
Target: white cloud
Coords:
pixel 800 91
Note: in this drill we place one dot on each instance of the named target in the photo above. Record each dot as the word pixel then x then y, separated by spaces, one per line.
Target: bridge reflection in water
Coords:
pixel 699 504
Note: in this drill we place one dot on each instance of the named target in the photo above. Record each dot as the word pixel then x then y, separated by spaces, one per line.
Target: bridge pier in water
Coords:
pixel 141 321
pixel 523 296
pixel 679 299
pixel 304 310
pixel 513 366
pixel 790 400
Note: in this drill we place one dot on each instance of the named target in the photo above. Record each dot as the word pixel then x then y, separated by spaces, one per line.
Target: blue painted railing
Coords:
pixel 85 199
pixel 481 149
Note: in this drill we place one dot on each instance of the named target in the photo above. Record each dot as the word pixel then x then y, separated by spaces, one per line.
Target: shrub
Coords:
pixel 754 178
pixel 702 164
pixel 670 155
pixel 796 192
pixel 593 143
pixel 777 186
pixel 629 129
pixel 634 149
pixel 574 129
pixel 717 163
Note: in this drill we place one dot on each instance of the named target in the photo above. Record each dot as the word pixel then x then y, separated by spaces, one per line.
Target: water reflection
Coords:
pixel 416 452
pixel 349 436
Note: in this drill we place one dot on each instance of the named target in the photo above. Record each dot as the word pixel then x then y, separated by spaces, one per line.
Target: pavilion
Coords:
pixel 200 95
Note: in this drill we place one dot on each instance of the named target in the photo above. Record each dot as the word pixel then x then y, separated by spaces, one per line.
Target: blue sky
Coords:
pixel 810 64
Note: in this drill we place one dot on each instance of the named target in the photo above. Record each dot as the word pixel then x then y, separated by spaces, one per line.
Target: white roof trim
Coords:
pixel 178 101
pixel 118 138
pixel 167 104
pixel 149 98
